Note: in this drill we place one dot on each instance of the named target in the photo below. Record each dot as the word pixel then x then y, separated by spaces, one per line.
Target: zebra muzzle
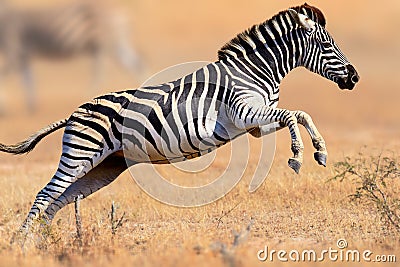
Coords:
pixel 351 80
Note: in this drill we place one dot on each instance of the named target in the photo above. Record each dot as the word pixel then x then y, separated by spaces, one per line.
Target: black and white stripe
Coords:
pixel 197 113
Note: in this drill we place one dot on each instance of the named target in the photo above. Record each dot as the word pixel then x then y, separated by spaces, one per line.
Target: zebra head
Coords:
pixel 322 55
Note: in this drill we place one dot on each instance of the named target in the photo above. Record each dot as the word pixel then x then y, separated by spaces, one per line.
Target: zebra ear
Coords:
pixel 303 20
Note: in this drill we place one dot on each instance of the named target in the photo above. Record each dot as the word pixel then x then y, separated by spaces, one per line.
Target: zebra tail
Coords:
pixel 30 143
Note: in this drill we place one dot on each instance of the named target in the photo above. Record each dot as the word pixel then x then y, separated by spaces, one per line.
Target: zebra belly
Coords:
pixel 162 149
pixel 149 153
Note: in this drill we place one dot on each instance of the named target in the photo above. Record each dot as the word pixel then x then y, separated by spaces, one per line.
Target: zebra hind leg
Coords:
pixel 102 175
pixel 49 199
pixel 70 169
pixel 49 193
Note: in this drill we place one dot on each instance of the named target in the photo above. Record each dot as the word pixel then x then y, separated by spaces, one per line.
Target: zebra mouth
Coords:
pixel 350 81
pixel 344 84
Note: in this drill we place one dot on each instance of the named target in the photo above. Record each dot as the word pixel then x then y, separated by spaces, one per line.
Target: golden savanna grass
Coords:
pixel 288 211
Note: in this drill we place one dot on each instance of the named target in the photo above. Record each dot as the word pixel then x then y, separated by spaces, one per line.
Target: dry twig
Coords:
pixel 78 219
pixel 115 222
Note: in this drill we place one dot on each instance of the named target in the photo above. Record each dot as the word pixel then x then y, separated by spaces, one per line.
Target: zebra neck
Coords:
pixel 266 52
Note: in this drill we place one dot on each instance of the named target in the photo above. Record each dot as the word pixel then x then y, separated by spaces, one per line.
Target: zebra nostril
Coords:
pixel 353 75
pixel 355 78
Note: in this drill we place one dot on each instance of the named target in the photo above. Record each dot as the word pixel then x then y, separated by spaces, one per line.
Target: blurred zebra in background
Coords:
pixel 59 32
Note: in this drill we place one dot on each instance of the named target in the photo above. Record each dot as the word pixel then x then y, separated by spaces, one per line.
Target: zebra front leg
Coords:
pixel 266 129
pixel 318 141
pixel 264 115
pixel 304 119
pixel 99 177
pixel 297 147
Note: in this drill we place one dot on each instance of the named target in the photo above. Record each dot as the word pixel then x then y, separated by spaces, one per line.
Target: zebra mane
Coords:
pixel 240 42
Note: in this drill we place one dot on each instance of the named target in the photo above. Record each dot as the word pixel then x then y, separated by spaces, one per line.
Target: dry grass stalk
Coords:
pixel 78 219
pixel 115 222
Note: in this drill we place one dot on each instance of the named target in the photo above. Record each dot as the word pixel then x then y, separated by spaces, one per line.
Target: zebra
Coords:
pixel 60 32
pixel 185 118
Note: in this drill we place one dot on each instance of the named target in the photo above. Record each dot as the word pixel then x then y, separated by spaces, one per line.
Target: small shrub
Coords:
pixel 376 179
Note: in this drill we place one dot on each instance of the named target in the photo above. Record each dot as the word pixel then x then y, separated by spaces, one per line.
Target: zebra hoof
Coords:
pixel 295 164
pixel 320 157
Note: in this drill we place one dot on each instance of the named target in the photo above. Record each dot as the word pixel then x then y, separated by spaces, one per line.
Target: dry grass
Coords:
pixel 289 211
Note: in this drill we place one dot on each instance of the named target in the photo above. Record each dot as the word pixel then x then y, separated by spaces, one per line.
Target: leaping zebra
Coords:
pixel 185 118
